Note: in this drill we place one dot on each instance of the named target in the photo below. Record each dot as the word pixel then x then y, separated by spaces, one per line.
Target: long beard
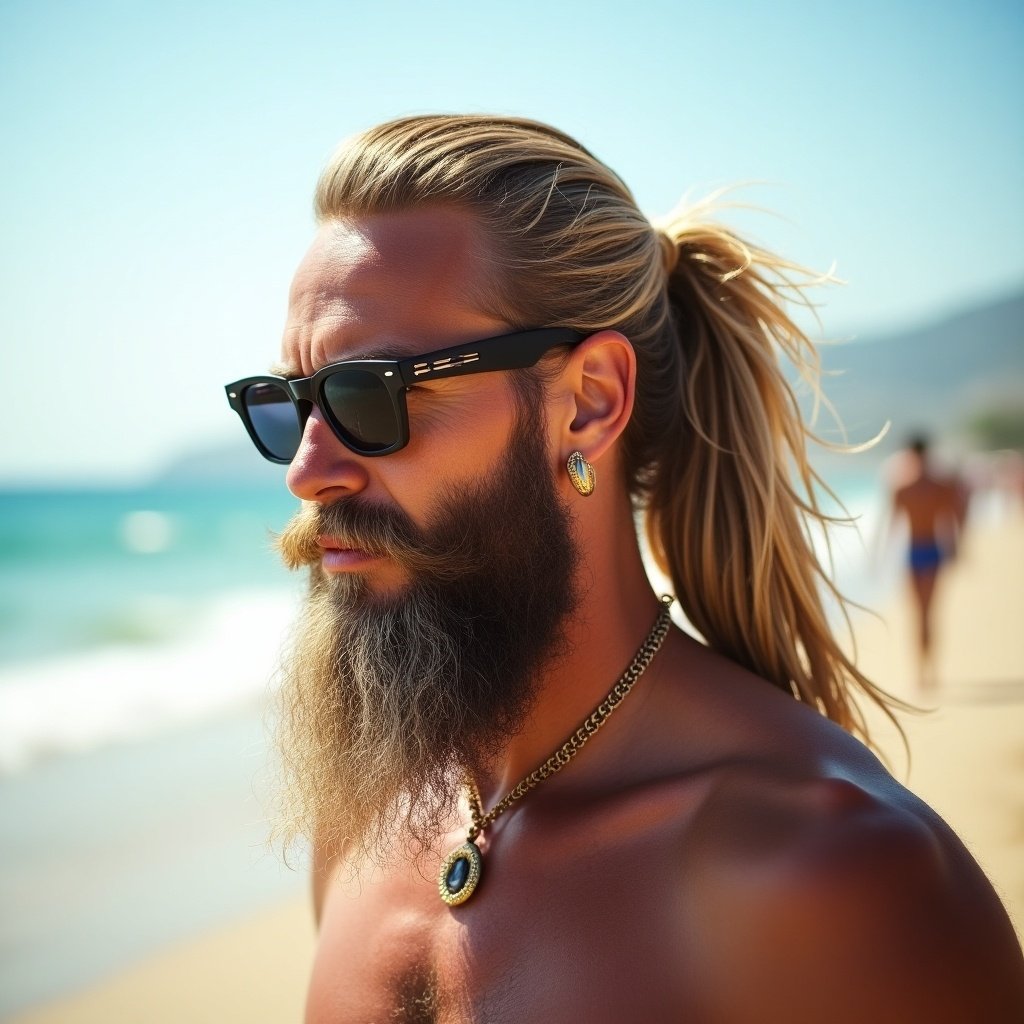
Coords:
pixel 389 702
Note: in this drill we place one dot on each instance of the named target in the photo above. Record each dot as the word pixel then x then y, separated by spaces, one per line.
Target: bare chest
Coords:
pixel 550 934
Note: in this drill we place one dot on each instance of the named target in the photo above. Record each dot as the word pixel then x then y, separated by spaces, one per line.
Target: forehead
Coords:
pixel 387 284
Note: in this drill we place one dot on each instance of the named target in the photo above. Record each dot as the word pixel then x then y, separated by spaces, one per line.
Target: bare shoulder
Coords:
pixel 812 886
pixel 824 899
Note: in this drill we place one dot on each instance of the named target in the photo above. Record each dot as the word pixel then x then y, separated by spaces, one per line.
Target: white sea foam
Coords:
pixel 75 703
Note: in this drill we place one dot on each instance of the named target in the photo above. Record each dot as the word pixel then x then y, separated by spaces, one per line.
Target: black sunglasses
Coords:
pixel 364 399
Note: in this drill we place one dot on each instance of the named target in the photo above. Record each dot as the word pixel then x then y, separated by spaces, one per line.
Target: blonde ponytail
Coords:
pixel 732 497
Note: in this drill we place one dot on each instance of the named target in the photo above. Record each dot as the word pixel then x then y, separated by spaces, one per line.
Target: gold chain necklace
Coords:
pixel 461 869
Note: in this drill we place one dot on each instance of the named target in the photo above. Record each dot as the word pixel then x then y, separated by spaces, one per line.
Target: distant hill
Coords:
pixel 231 464
pixel 937 378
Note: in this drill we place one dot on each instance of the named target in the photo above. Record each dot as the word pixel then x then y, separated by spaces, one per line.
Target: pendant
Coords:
pixel 460 874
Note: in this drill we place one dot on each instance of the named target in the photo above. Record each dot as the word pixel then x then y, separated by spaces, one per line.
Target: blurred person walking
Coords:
pixel 934 508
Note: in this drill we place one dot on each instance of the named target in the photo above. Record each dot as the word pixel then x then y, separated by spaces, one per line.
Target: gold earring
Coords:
pixel 582 474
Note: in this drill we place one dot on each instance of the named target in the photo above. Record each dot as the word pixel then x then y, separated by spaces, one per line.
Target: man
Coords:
pixel 531 798
pixel 934 509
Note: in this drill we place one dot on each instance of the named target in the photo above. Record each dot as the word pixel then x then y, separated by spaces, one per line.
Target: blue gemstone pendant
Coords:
pixel 460 874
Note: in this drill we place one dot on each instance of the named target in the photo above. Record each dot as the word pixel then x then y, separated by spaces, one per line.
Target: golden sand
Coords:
pixel 252 971
pixel 967 754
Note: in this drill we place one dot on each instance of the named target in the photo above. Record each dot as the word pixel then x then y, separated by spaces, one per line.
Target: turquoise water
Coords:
pixel 81 569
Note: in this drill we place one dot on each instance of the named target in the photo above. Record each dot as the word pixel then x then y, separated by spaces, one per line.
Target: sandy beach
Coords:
pixel 967 761
pixel 967 751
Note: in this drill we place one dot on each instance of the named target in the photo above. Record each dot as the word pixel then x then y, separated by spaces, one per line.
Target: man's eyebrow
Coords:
pixel 377 353
pixel 290 373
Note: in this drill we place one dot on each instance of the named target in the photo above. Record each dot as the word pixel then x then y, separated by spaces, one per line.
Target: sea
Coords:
pixel 140 629
pixel 139 633
pixel 125 612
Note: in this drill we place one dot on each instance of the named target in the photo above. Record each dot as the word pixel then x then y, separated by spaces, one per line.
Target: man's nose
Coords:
pixel 323 469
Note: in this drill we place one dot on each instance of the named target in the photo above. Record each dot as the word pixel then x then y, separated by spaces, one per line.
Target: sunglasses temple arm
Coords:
pixel 515 352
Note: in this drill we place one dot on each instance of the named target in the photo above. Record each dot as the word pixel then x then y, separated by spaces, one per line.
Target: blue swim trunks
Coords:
pixel 926 556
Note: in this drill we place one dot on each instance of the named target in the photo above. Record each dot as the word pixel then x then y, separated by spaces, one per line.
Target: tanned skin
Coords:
pixel 719 852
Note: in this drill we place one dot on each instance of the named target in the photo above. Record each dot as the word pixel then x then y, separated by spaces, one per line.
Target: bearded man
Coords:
pixel 531 797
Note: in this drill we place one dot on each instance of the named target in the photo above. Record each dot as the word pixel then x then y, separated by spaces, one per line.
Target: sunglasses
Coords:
pixel 363 400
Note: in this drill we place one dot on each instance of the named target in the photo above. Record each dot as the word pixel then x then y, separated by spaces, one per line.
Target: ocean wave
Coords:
pixel 123 692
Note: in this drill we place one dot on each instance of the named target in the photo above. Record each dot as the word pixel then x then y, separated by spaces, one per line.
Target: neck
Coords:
pixel 615 614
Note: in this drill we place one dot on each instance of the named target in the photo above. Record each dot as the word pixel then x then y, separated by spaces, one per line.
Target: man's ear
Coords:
pixel 599 381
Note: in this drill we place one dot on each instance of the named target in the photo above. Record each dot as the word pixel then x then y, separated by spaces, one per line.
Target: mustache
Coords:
pixel 379 530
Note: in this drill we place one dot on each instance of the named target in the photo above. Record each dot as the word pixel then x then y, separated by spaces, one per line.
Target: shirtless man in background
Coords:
pixel 934 508
pixel 532 798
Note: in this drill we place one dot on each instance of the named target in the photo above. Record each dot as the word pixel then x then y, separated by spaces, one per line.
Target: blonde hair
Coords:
pixel 715 452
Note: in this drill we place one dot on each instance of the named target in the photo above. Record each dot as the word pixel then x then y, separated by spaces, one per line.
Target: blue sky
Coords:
pixel 160 159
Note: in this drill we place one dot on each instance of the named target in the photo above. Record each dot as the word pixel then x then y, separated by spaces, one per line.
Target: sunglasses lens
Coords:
pixel 362 410
pixel 274 419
